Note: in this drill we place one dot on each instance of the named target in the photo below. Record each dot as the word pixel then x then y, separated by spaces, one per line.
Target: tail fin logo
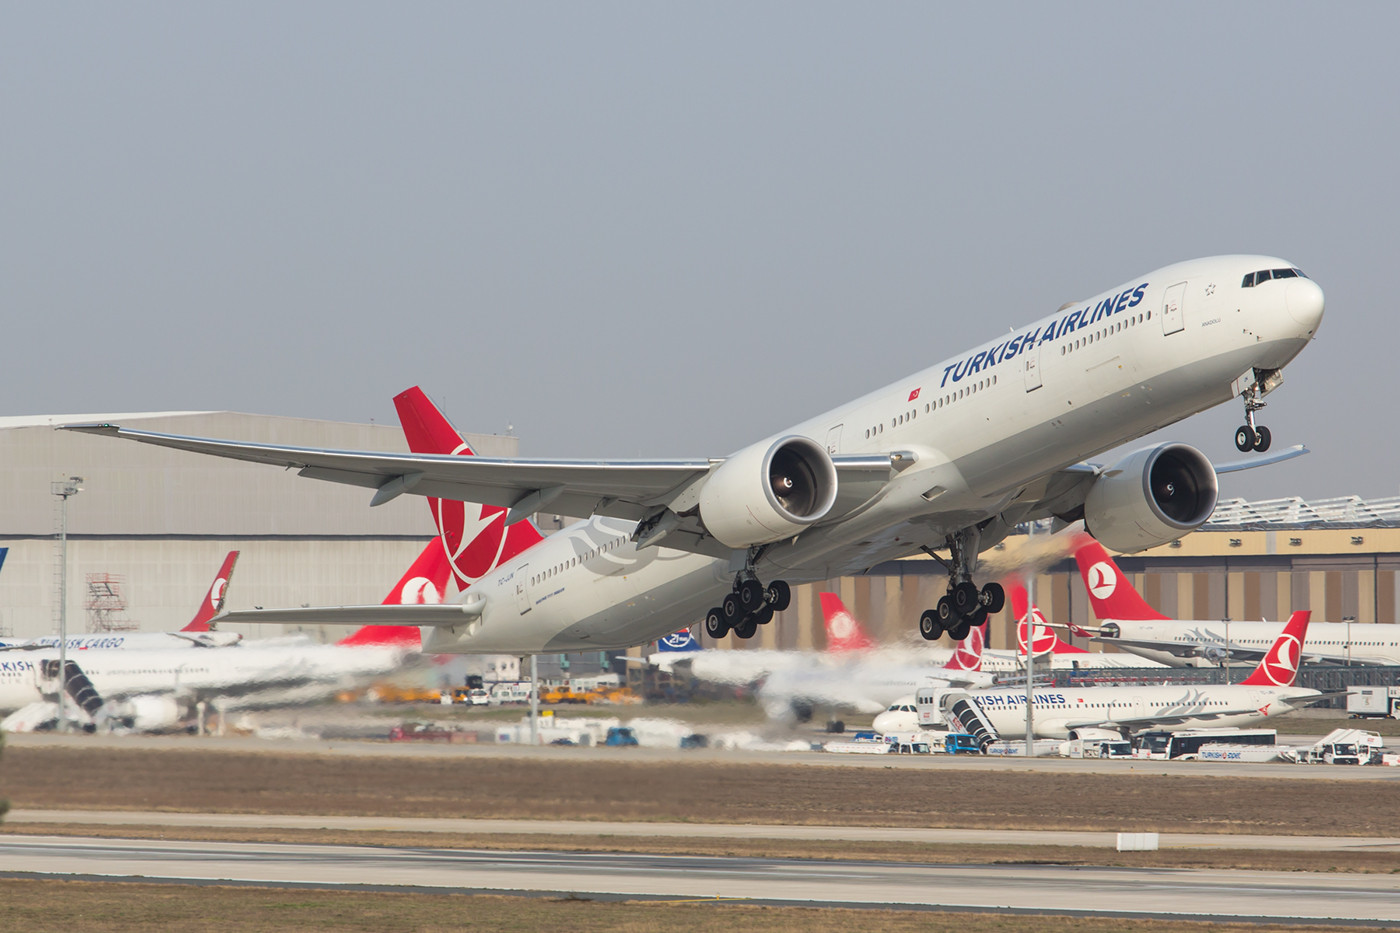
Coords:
pixel 216 594
pixel 1280 667
pixel 842 626
pixel 1102 580
pixel 1043 637
pixel 419 591
pixel 474 548
pixel 967 656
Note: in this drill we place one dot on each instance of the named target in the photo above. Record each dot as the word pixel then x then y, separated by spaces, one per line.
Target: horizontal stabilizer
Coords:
pixel 439 616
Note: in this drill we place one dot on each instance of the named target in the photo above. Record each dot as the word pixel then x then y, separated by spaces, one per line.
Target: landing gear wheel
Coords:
pixel 715 626
pixel 762 615
pixel 960 629
pixel 750 595
pixel 929 626
pixel 993 598
pixel 1262 439
pixel 729 608
pixel 746 629
pixel 976 618
pixel 946 613
pixel 1244 438
pixel 964 597
pixel 779 595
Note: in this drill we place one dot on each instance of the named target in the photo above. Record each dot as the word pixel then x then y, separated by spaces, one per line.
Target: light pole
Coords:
pixel 64 489
pixel 1030 650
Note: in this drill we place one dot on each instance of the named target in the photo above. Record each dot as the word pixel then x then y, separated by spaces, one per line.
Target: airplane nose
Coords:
pixel 1305 303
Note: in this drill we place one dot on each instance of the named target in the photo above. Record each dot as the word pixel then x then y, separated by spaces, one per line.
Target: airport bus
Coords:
pixel 1187 743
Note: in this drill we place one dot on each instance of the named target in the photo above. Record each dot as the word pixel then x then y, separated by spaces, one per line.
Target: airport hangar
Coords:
pixel 160 521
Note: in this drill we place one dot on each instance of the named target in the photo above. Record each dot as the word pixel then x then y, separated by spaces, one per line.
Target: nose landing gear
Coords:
pixel 1248 436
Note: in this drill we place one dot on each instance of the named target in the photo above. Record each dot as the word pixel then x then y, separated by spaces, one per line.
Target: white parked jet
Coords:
pixel 157 689
pixel 1064 712
pixel 1126 620
pixel 953 456
pixel 197 634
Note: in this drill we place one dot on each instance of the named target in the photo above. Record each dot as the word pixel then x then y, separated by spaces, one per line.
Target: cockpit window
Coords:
pixel 1264 275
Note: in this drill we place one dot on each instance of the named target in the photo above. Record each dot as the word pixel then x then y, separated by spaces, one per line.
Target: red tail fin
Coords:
pixel 476 536
pixel 967 656
pixel 1046 640
pixel 1111 593
pixel 1280 666
pixel 843 632
pixel 425 582
pixel 214 599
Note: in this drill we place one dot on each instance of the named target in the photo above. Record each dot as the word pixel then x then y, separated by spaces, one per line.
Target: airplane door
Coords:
pixel 522 589
pixel 1173 304
pixel 1033 370
pixel 833 440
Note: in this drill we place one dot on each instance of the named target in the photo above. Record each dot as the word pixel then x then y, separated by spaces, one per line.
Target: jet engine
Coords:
pixel 150 713
pixel 1152 496
pixel 764 494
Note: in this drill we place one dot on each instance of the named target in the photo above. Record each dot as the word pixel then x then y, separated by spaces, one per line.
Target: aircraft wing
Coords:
pixel 442 615
pixel 630 489
pixel 1197 649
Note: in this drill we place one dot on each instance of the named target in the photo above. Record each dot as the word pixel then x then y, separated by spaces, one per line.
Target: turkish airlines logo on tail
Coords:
pixel 1043 638
pixel 419 591
pixel 216 593
pixel 1102 580
pixel 967 656
pixel 475 548
pixel 1280 666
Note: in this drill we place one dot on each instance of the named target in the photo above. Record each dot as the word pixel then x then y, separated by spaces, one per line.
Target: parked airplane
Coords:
pixel 157 689
pixel 1069 712
pixel 1057 653
pixel 197 634
pixel 954 456
pixel 1126 620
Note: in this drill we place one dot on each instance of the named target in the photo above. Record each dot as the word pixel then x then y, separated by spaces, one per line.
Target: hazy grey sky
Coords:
pixel 654 229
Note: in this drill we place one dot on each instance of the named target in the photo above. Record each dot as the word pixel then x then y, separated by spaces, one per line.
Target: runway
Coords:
pixel 1212 895
pixel 481 827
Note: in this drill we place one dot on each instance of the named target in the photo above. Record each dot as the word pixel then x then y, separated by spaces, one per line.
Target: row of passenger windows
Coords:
pixel 575 561
pixel 1256 278
pixel 1103 332
pixel 932 406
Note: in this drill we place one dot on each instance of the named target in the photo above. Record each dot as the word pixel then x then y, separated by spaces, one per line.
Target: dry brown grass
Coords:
pixel 64 906
pixel 687 790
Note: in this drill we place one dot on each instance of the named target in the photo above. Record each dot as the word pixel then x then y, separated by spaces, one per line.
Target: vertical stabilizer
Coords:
pixel 843 632
pixel 214 599
pixel 1280 666
pixel 1111 593
pixel 476 536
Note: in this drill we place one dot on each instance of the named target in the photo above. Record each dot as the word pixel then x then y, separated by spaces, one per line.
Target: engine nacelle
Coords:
pixel 151 712
pixel 764 494
pixel 1152 496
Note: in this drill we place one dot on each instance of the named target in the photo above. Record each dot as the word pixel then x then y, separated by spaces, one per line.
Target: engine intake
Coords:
pixel 1152 496
pixel 764 494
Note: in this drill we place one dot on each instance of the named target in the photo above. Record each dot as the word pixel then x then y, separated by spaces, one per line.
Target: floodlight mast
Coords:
pixel 64 489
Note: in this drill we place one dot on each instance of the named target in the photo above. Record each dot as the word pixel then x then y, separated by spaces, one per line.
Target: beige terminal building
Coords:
pixel 158 522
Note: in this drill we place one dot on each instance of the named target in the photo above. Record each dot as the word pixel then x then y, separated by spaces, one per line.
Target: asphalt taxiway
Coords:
pixel 1141 892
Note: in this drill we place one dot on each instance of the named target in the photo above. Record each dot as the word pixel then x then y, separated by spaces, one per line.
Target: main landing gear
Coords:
pixel 750 605
pixel 965 607
pixel 1248 437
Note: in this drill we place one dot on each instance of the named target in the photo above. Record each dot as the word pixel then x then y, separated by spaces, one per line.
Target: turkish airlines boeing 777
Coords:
pixel 953 456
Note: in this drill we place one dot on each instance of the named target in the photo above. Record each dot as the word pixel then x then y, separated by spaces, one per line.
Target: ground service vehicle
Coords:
pixel 1096 747
pixel 620 736
pixel 962 743
pixel 1372 702
pixel 1187 743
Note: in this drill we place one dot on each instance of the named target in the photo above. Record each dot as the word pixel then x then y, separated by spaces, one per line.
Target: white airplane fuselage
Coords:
pixel 1058 709
pixel 982 426
pixel 239 674
pixel 1336 642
